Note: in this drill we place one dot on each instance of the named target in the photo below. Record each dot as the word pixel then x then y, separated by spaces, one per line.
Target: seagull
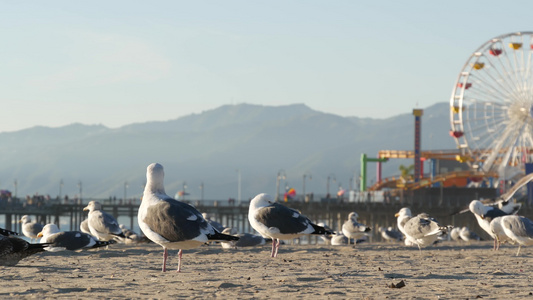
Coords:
pixel 279 222
pixel 499 234
pixel 423 230
pixel 509 206
pixel 102 225
pixel 518 229
pixel 484 215
pixel 503 202
pixel 131 236
pixel 13 249
pixel 171 223
pixel 390 234
pixel 455 234
pixel 30 229
pixel 339 239
pixel 68 240
pixel 245 239
pixel 353 229
pixel 467 235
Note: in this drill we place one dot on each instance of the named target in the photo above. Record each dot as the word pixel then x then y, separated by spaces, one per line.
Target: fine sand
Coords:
pixel 449 270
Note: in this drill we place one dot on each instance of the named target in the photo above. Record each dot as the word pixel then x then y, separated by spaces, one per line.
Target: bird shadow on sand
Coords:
pixel 427 276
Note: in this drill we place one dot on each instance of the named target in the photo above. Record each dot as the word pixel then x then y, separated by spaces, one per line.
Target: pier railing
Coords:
pixel 333 213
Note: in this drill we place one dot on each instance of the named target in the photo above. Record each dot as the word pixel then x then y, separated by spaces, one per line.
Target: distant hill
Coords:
pixel 209 148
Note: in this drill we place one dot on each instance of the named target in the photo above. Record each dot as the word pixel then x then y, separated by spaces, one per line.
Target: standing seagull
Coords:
pixel 423 230
pixel 500 237
pixel 68 240
pixel 353 229
pixel 518 229
pixel 484 215
pixel 30 229
pixel 278 222
pixel 171 223
pixel 13 249
pixel 102 225
pixel 402 217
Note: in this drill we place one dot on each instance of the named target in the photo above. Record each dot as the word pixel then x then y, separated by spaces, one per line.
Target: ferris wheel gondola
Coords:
pixel 492 105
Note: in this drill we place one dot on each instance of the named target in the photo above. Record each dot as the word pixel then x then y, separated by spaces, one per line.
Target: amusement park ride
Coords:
pixel 491 119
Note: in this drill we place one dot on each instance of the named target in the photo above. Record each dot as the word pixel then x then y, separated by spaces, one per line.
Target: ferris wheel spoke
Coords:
pixel 486 83
pixel 512 147
pixel 479 94
pixel 500 70
pixel 496 147
pixel 511 69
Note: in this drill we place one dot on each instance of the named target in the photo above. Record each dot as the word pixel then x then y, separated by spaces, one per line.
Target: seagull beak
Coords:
pixel 85 208
pixel 397 215
pixel 482 217
pixel 40 234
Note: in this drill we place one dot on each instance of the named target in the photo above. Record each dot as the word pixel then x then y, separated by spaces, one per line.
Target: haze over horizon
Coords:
pixel 67 62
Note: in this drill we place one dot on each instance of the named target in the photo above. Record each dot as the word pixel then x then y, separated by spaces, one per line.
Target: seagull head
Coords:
pixel 353 216
pixel 48 229
pixel 93 205
pixel 155 176
pixel 25 219
pixel 405 211
pixel 477 208
pixel 261 200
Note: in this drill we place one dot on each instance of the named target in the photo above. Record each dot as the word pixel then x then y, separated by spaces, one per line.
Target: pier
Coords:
pixel 440 204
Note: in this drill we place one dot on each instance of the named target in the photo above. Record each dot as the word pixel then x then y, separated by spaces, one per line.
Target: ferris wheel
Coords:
pixel 492 105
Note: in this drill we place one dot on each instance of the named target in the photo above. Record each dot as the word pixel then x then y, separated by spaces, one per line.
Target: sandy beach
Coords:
pixel 449 270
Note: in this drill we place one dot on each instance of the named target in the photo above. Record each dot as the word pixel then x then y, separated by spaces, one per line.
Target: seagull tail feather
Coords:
pixel 221 237
pixel 102 243
pixel 321 230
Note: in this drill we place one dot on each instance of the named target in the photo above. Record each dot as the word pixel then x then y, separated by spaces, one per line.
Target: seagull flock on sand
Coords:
pixel 176 225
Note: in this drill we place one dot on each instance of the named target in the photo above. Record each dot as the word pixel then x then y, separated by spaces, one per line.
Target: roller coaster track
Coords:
pixel 398 182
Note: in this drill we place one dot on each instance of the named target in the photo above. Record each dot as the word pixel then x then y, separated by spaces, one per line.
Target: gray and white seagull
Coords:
pixel 171 223
pixel 68 240
pixel 102 225
pixel 353 229
pixel 423 230
pixel 518 229
pixel 273 220
pixel 30 229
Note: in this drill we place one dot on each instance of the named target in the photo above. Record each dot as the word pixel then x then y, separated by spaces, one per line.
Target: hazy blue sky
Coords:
pixel 121 62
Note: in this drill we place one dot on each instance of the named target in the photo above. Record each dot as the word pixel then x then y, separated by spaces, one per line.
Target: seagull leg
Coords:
pixel 179 261
pixel 275 248
pixel 165 255
pixel 518 249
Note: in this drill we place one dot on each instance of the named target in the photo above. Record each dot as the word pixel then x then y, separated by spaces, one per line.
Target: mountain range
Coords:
pixel 213 149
